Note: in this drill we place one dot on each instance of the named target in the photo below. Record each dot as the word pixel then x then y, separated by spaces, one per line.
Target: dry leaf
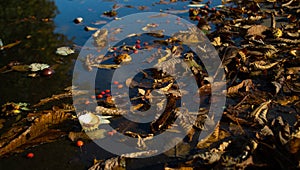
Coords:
pixel 217 42
pixel 39 126
pixel 257 30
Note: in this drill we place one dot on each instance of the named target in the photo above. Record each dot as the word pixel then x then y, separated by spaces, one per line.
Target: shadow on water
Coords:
pixel 31 23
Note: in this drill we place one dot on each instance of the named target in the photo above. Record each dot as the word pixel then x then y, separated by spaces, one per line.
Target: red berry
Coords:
pixel 120 86
pixel 79 143
pixel 198 18
pixel 213 9
pixel 110 133
pixel 138 41
pixel 107 90
pixel 135 51
pixel 93 97
pixel 30 155
pixel 100 96
pixel 115 48
pixel 103 92
pixel 206 7
pixel 116 82
pixel 87 102
pixel 138 46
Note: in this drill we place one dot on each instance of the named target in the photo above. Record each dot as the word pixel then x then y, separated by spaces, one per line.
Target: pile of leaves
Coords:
pixel 258 43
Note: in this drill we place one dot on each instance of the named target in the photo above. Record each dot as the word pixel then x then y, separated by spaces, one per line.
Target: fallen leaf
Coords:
pixel 257 30
pixel 37 66
pixel 64 51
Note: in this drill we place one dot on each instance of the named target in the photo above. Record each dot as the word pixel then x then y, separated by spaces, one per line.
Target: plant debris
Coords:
pixel 258 44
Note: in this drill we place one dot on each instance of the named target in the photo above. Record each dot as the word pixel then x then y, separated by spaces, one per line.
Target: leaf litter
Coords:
pixel 262 73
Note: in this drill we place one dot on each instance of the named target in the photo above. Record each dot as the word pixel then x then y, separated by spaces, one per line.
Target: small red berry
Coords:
pixel 135 51
pixel 30 155
pixel 107 90
pixel 120 86
pixel 206 7
pixel 100 96
pixel 115 48
pixel 110 133
pixel 103 92
pixel 138 41
pixel 79 143
pixel 138 46
pixel 87 102
pixel 198 18
pixel 93 97
pixel 116 82
pixel 213 9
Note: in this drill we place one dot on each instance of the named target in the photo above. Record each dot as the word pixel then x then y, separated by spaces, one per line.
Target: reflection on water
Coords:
pixel 31 23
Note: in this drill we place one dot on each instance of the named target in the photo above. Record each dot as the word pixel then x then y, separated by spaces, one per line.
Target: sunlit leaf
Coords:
pixel 64 51
pixel 38 66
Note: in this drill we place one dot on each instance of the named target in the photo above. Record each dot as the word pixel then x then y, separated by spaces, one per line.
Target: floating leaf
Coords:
pixel 87 28
pixel 38 66
pixel 111 13
pixel 100 37
pixel 20 68
pixel 64 51
pixel 196 5
pixel 10 45
pixel 99 22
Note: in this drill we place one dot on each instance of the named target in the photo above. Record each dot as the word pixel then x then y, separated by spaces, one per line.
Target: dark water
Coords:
pixel 42 26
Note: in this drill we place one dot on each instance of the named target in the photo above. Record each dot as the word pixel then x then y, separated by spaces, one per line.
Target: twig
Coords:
pixel 241 101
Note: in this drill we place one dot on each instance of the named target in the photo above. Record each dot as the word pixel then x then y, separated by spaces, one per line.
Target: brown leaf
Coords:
pixel 245 83
pixel 257 30
pixel 217 135
pixel 73 136
pixel 20 68
pixel 40 125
